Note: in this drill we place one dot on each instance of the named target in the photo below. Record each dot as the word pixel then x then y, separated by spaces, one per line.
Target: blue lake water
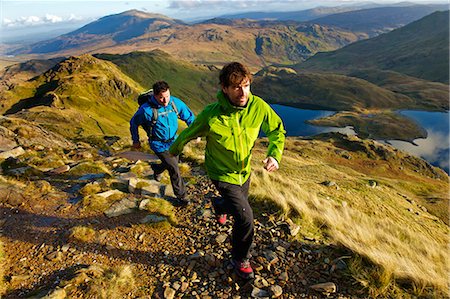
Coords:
pixel 294 121
pixel 434 148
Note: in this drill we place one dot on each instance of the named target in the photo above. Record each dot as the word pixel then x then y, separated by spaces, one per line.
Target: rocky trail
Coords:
pixel 188 258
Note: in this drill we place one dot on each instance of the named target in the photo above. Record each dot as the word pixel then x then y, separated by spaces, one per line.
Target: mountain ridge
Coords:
pixel 425 40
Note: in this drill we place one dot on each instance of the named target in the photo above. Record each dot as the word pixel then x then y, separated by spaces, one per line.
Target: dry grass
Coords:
pixel 96 282
pixel 162 207
pixel 90 188
pixel 89 167
pixel 83 233
pixel 378 224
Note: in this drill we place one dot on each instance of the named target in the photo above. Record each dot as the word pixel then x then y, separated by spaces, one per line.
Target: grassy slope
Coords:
pixel 80 96
pixel 196 85
pixel 324 91
pixel 387 224
pixel 419 49
pixel 84 96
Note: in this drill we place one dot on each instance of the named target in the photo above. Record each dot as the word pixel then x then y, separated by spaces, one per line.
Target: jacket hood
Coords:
pixel 225 104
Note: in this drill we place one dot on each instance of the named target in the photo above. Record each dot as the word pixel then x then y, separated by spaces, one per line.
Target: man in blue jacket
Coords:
pixel 159 118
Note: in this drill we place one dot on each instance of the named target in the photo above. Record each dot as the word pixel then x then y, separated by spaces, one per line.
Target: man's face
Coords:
pixel 238 94
pixel 163 97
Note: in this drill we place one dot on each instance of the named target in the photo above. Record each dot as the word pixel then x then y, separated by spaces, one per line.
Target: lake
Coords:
pixel 434 148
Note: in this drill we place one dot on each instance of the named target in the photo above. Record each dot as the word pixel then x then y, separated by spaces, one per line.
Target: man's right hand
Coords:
pixel 136 145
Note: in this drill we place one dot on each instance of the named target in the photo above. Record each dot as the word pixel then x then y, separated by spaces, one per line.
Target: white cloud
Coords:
pixel 30 21
pixel 229 5
pixel 52 19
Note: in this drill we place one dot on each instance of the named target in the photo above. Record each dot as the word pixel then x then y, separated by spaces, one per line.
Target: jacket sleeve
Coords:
pixel 184 112
pixel 136 121
pixel 199 127
pixel 273 127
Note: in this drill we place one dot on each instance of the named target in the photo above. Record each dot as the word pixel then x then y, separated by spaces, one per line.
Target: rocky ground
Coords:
pixel 187 259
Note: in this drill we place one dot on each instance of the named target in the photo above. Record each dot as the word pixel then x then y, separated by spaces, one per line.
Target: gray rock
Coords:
pixel 125 206
pixel 259 293
pixel 60 169
pixel 109 193
pixel 326 287
pixel 276 291
pixel 153 219
pixel 169 293
pixel 221 238
pixel 328 183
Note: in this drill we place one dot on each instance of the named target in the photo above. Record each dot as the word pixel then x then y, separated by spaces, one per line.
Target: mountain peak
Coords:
pixel 142 14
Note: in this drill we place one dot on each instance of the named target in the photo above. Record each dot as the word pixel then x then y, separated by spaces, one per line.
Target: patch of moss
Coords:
pixel 88 168
pixel 83 234
pixel 91 188
pixel 162 207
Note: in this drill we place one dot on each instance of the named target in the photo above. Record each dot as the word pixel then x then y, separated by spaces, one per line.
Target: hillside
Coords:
pixel 377 20
pixel 257 43
pixel 104 32
pixel 420 49
pixel 342 218
pixel 86 97
pixel 196 85
pixel 300 16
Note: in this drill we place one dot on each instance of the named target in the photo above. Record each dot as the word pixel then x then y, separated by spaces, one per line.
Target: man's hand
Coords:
pixel 136 145
pixel 270 164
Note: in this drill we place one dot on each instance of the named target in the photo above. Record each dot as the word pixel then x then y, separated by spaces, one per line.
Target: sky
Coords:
pixel 20 17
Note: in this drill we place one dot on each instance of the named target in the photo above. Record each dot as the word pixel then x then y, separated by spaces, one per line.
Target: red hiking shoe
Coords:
pixel 222 219
pixel 243 269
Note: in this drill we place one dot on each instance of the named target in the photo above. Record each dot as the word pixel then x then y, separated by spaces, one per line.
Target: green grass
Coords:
pixel 195 85
pixel 419 49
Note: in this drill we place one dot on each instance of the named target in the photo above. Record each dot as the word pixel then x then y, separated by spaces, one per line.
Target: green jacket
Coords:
pixel 231 133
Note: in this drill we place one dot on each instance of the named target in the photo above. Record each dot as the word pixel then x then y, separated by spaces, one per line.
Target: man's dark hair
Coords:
pixel 233 74
pixel 160 86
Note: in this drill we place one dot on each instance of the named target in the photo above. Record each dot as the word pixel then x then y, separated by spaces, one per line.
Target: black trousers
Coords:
pixel 170 163
pixel 234 202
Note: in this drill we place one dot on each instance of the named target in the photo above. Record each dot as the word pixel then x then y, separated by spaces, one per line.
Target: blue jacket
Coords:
pixel 164 132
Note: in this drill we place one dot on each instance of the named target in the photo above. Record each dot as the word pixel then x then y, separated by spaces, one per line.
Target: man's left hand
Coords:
pixel 270 164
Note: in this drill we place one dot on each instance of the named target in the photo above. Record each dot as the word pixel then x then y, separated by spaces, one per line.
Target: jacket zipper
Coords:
pixel 239 137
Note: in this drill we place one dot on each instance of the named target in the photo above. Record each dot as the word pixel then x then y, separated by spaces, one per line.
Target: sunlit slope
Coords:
pixel 84 95
pixel 370 198
pixel 419 49
pixel 196 85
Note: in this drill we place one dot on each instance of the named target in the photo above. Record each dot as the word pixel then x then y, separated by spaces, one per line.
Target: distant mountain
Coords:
pixel 374 21
pixel 105 32
pixel 302 15
pixel 28 69
pixel 420 49
pixel 257 43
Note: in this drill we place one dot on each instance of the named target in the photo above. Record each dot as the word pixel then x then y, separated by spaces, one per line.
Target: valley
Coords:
pixel 346 216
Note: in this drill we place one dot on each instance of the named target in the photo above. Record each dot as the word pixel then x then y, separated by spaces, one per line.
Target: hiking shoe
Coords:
pixel 243 269
pixel 156 176
pixel 222 219
pixel 182 202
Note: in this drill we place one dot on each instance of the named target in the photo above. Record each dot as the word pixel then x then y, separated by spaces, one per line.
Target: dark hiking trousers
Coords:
pixel 170 163
pixel 234 202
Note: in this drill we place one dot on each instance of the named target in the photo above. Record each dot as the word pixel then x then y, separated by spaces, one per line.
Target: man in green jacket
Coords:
pixel 231 126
